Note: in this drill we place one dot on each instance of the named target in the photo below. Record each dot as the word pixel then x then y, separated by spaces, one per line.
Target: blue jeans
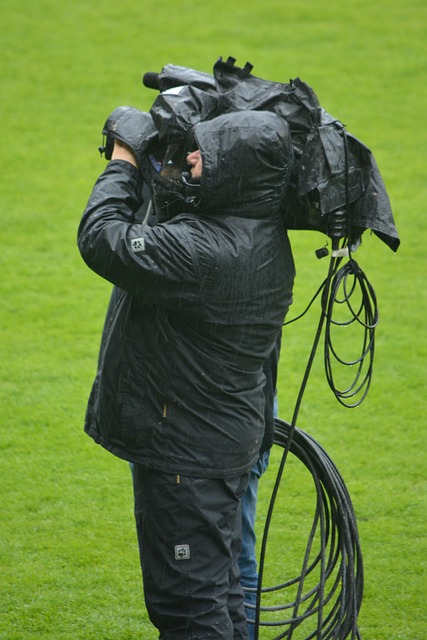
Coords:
pixel 247 560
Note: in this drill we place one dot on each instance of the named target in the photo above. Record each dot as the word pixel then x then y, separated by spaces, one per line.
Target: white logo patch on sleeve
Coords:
pixel 137 244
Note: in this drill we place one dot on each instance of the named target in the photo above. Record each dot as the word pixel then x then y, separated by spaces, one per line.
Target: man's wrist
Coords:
pixel 122 152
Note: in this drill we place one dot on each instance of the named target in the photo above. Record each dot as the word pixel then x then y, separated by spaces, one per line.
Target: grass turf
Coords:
pixel 68 557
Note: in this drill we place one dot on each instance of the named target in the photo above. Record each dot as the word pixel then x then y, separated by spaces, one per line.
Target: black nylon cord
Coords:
pixel 339 559
pixel 286 452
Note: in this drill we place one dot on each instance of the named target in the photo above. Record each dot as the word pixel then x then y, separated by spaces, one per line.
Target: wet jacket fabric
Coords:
pixel 199 303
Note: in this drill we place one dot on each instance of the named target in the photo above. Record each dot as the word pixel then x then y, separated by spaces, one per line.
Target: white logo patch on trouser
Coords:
pixel 182 552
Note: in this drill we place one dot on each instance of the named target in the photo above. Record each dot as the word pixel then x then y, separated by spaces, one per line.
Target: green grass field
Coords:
pixel 68 557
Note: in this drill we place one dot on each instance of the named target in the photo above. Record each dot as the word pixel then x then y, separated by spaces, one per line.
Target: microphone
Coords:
pixel 151 80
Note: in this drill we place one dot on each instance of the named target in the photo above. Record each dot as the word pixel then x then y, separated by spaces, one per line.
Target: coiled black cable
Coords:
pixel 339 559
pixel 364 312
pixel 349 288
pixel 326 609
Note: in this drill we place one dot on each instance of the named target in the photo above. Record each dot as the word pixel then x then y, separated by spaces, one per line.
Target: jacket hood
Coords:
pixel 247 160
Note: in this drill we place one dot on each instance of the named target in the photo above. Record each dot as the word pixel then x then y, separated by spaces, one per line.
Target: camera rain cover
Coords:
pixel 176 110
pixel 332 170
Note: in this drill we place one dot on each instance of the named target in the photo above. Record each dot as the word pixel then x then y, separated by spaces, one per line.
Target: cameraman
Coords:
pixel 179 390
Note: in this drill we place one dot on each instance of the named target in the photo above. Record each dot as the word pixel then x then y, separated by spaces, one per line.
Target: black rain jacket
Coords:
pixel 200 301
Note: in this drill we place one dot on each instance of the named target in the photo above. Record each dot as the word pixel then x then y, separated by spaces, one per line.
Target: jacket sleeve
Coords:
pixel 154 264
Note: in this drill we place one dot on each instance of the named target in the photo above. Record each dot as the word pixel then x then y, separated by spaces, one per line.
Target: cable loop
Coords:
pixel 347 282
pixel 324 600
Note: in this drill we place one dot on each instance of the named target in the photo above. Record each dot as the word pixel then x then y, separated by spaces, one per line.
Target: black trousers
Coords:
pixel 189 533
